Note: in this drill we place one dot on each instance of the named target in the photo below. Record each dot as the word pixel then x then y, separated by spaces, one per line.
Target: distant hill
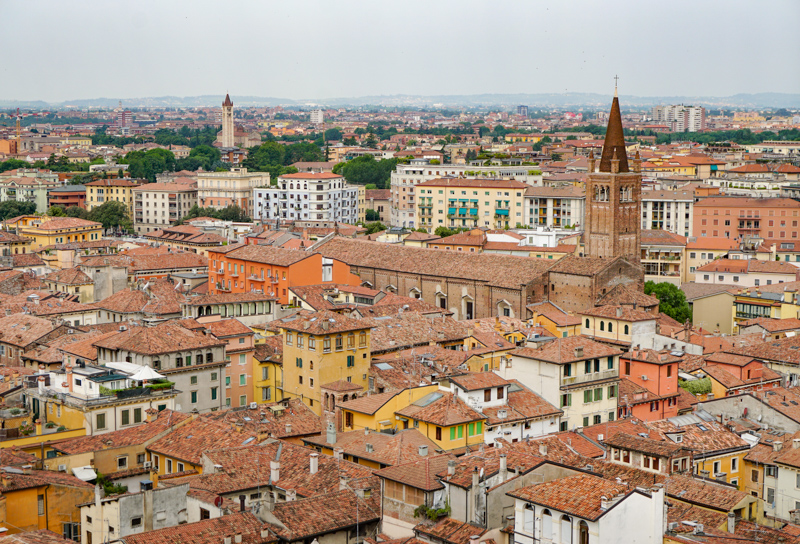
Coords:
pixel 546 100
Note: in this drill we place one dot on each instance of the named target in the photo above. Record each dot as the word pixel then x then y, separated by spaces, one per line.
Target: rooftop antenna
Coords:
pixel 616 81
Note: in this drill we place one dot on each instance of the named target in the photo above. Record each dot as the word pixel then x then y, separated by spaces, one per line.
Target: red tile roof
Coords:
pixel 188 442
pixel 208 531
pixel 575 495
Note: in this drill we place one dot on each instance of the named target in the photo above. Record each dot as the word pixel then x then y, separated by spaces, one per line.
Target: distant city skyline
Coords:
pixel 307 50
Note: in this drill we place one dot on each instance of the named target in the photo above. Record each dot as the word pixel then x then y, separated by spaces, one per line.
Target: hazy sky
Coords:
pixel 57 50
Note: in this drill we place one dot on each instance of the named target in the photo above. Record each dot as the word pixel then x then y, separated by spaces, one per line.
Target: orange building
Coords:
pixel 648 388
pixel 773 219
pixel 272 270
pixel 239 357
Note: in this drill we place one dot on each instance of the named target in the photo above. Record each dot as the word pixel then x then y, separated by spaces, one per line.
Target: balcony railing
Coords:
pixel 593 377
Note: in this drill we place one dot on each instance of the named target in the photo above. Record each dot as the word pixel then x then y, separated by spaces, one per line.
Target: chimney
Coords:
pixel 152 414
pixel 337 453
pixel 38 425
pixel 68 368
pixel 241 502
pixel 579 351
pixel 423 451
pixel 288 428
pixel 777 446
pixel 731 522
pixel 226 540
pixel 503 467
pixel 475 478
pixel 474 539
pixel 619 311
pixel 274 470
pixel 313 463
pixel 604 503
pixel 369 448
pixel 542 449
pixel 794 516
pixel 331 433
pixel 343 482
pixel 451 467
pixel 796 443
pixel 291 495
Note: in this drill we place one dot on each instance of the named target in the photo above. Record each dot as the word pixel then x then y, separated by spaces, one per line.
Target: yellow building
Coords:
pixel 78 141
pixel 555 320
pixel 268 369
pixel 47 231
pixel 38 499
pixel 362 203
pixel 72 281
pixel 470 203
pixel 615 324
pixel 104 190
pixel 377 412
pixel 445 419
pixel 778 301
pixel 322 348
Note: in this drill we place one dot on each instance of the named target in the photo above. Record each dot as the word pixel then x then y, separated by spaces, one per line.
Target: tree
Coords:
pixel 228 213
pixel 202 156
pixel 302 152
pixel 372 215
pixel 333 134
pixel 76 211
pixel 146 164
pixel 672 301
pixel 13 164
pixel 444 232
pixel 56 211
pixel 555 157
pixel 365 170
pixel 371 142
pixel 12 208
pixel 372 228
pixel 349 141
pixel 112 214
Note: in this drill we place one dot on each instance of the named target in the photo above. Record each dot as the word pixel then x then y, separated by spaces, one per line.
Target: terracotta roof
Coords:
pixel 478 380
pixel 13 481
pixel 554 314
pixel 166 337
pixel 444 411
pixel 707 493
pixel 160 260
pixel 225 328
pixel 26 259
pixel 662 238
pixel 563 350
pixel 132 436
pixel 627 296
pixel 420 473
pixel 306 518
pixel 190 441
pixel 285 419
pixel 581 266
pixel 59 223
pixel 311 175
pixel 160 299
pixel 772 325
pixel 14 457
pixel 69 276
pixel 208 531
pixel 21 330
pixel 387 449
pixel 368 404
pixel 645 445
pixel 694 290
pixel 494 269
pixel 268 255
pixel 341 386
pixel 623 313
pixel 321 323
pixel 40 536
pixel 575 495
pixel 411 329
pixel 450 531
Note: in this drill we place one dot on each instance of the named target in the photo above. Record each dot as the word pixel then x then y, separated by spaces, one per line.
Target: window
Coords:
pixel 169 466
pixel 499 392
pixel 587 396
pixel 100 421
pixel 598 394
pixel 586 421
pixel 610 326
pixel 312 343
pixel 242 400
pixel 438 431
pixel 40 504
pixel 527 520
pixel 669 371
pixel 566 400
pixel 213 393
pixel 288 339
pixel 326 344
pixel 242 379
pixel 227 381
pixel 735 464
pixel 654 406
pixel 771 471
pixel 126 417
pixel 362 339
pixel 137 415
pixel 487 395
pixel 72 531
pixel 754 476
pixel 771 496
pixel 612 391
pixel 193 380
pixel 587 323
pixel 339 343
pixel 717 466
pixel 627 368
pixel 611 363
pixel 194 397
pixel 136 522
pixel 351 360
pixel 596 420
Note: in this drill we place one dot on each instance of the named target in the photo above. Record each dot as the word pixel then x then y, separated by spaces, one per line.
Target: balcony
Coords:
pixel 222 289
pixel 255 277
pixel 586 378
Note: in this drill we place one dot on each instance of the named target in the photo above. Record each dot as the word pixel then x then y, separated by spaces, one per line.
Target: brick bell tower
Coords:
pixel 613 197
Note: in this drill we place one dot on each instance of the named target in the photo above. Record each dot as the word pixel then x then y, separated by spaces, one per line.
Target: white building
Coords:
pixel 584 509
pixel 233 188
pixel 681 118
pixel 308 196
pixel 668 210
pixel 555 207
pixel 157 205
pixel 405 177
pixel 317 117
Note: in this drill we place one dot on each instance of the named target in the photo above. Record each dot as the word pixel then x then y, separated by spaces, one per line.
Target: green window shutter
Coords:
pixel 587 396
pixel 598 394
pixel 586 422
pixel 471 429
pixel 461 431
pixel 452 433
pixel 480 427
pixel 611 363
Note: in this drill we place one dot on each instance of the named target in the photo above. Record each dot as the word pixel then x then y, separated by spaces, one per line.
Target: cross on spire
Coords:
pixel 616 81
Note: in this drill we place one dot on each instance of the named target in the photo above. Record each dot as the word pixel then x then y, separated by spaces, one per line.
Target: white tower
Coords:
pixel 227 122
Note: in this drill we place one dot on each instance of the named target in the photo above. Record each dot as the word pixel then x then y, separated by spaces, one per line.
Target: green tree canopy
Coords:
pixel 366 170
pixel 12 208
pixel 56 211
pixel 228 213
pixel 372 228
pixel 333 134
pixel 146 164
pixel 672 301
pixel 372 215
pixel 13 164
pixel 112 214
pixel 76 211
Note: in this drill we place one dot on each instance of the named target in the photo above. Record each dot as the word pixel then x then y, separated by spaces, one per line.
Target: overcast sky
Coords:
pixel 57 50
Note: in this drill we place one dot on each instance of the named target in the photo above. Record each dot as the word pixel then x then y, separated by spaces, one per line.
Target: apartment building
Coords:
pixel 470 202
pixel 672 211
pixel 308 196
pixel 772 219
pixel 663 256
pixel 405 177
pixel 157 205
pixel 221 189
pixel 105 190
pixel 47 231
pixel 554 207
pixel 27 189
pixel 577 374
pixel 681 118
pixel 321 348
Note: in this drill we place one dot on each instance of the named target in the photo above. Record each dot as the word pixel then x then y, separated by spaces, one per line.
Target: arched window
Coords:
pixel 209 357
pixel 610 327
pixel 602 325
pixel 199 358
pixel 566 530
pixel 547 524
pixel 587 322
pixel 626 329
pixel 583 531
pixel 200 312
pixel 527 520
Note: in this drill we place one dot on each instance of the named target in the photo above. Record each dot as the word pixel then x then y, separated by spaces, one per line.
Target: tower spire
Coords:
pixel 615 140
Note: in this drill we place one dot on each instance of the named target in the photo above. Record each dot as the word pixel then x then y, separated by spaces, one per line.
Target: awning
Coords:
pixel 501 212
pixel 146 373
pixel 86 473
